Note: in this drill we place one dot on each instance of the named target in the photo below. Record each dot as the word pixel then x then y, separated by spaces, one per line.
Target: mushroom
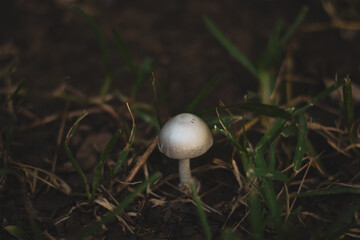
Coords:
pixel 183 137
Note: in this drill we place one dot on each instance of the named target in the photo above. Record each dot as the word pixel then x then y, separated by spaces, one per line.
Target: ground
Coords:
pixel 50 48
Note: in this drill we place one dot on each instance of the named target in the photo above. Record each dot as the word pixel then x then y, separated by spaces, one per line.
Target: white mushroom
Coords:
pixel 183 137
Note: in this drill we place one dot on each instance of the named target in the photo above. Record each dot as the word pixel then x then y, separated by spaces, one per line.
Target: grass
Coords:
pixel 274 170
pixel 266 71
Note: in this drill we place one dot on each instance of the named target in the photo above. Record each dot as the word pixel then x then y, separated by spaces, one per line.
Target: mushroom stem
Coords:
pixel 184 171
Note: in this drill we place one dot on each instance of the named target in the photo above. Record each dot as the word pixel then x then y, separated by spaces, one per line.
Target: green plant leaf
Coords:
pixel 229 46
pixel 343 223
pixel 269 192
pixel 246 159
pixel 72 158
pixel 318 97
pixel 125 152
pixel 200 210
pixel 300 17
pixel 142 75
pixel 227 120
pixel 17 232
pixel 301 143
pixel 224 130
pixel 156 102
pixel 256 216
pixel 124 52
pixel 228 234
pixel 271 57
pixel 327 91
pixel 272 202
pixel 126 201
pixel 270 135
pixel 266 173
pixel 290 129
pixel 262 109
pixel 147 118
pixel 349 108
pixel 103 47
pixel 108 149
pixel 202 93
pixel 272 158
pixel 14 94
pixel 326 192
pixel 246 155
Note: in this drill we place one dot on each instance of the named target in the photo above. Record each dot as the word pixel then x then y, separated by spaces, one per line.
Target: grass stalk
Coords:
pixel 199 207
pixel 349 108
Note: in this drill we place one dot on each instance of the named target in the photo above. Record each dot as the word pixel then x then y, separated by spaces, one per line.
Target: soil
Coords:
pixel 52 48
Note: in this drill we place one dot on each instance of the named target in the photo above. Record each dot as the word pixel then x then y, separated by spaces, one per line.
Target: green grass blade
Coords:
pixel 318 97
pixel 70 155
pixel 270 135
pixel 103 47
pixel 147 118
pixel 108 149
pixel 349 108
pixel 224 130
pixel 290 129
pixel 326 192
pixel 201 212
pixel 272 202
pixel 228 120
pixel 17 232
pixel 327 91
pixel 301 143
pixel 228 234
pixel 300 17
pixel 142 75
pixel 14 94
pixel 125 152
pixel 17 90
pixel 197 99
pixel 230 47
pixel 259 159
pixel 262 109
pixel 246 156
pixel 259 108
pixel 342 224
pixel 256 216
pixel 269 192
pixel 266 173
pixel 271 57
pixel 272 158
pixel 156 102
pixel 126 201
pixel 124 52
pixel 246 159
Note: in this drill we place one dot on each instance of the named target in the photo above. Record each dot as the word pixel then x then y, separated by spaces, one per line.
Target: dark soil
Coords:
pixel 53 49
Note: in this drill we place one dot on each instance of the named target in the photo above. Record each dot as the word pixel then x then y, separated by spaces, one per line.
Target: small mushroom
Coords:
pixel 183 137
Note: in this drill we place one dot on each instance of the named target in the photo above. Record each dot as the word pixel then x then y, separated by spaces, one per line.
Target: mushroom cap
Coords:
pixel 185 136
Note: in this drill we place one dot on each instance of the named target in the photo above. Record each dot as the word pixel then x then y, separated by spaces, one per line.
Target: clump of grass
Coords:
pixel 268 201
pixel 266 71
pixel 120 207
pixel 266 205
pixel 108 149
pixel 140 73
